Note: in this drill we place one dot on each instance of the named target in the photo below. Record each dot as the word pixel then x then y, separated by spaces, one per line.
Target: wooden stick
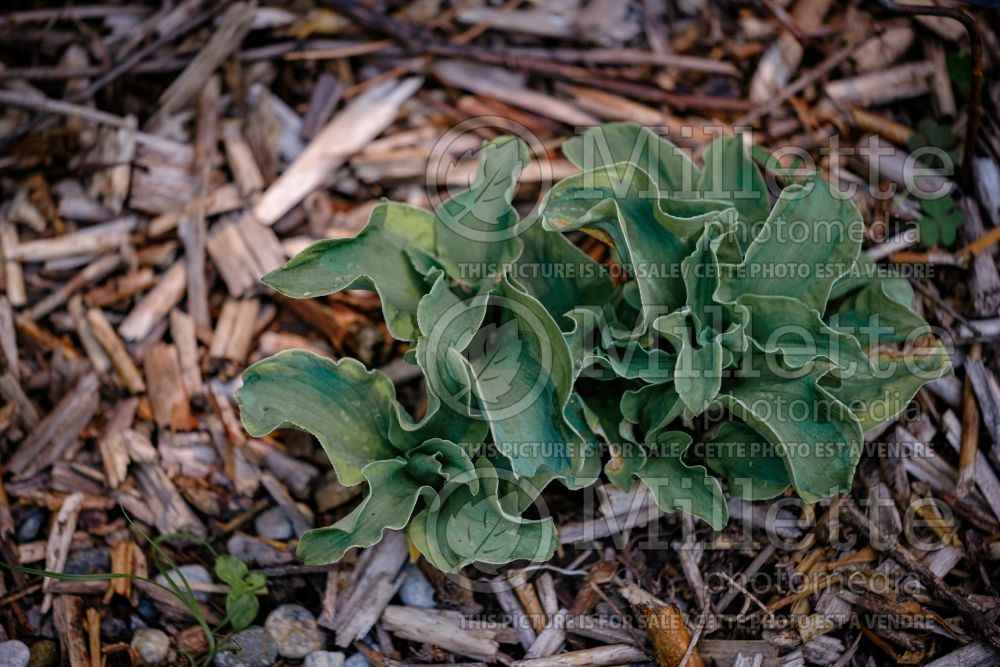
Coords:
pixel 800 84
pixel 935 586
pixel 60 429
pixel 348 133
pixel 93 625
pixel 614 654
pixel 67 615
pixel 969 450
pixel 156 304
pixel 13 275
pixel 670 636
pixel 127 371
pixel 60 539
pixel 167 394
pixel 182 331
pixel 225 39
pixel 93 272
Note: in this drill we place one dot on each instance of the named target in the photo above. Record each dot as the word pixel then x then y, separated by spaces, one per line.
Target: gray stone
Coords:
pixel 17 654
pixel 194 573
pixel 357 660
pixel 88 561
pixel 31 525
pixel 152 645
pixel 416 590
pixel 324 659
pixel 253 647
pixel 295 630
pixel 252 551
pixel 274 524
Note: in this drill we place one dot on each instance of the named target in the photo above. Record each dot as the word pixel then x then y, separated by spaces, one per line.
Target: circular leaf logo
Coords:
pixel 452 174
pixel 503 367
pixel 476 521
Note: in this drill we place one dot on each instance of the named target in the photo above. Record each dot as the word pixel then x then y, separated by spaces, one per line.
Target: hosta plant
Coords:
pixel 725 340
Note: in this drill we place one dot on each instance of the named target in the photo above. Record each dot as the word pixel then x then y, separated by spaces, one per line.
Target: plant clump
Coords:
pixel 724 340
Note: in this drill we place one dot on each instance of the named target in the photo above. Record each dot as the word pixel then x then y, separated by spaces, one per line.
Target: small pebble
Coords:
pixel 257 552
pixel 195 573
pixel 151 644
pixel 31 525
pixel 295 630
pixel 113 629
pixel 88 561
pixel 253 647
pixel 44 653
pixel 14 654
pixel 324 659
pixel 357 660
pixel 416 590
pixel 274 524
pixel 147 613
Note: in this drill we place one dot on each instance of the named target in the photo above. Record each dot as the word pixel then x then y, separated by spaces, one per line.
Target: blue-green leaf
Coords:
pixel 830 229
pixel 377 258
pixel 463 527
pixel 751 464
pixel 348 408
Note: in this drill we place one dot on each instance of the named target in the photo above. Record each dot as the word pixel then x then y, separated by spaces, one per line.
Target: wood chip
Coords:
pixel 155 306
pixel 167 393
pixel 105 334
pixel 61 428
pixel 60 539
pixel 348 133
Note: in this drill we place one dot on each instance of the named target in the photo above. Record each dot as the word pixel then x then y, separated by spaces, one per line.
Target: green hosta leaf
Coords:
pixel 478 228
pixel 774 265
pixel 559 274
pixel 463 527
pixel 388 504
pixel 378 258
pixel 601 352
pixel 626 460
pixel 448 322
pixel 730 175
pixel 517 375
pixel 878 314
pixel 701 274
pixel 626 221
pixel 751 465
pixel 878 394
pixel 785 325
pixel 603 405
pixel 437 458
pixel 401 243
pixel 496 352
pixel 440 419
pixel 678 486
pixel 394 488
pixel 819 437
pixel 652 408
pixel 618 204
pixel 535 388
pixel 347 408
pixel 587 423
pixel 669 166
pixel 698 376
